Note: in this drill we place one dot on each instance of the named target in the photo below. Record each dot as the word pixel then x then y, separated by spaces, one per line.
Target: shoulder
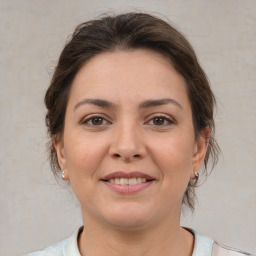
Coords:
pixel 223 250
pixel 53 250
pixel 64 248
pixel 205 246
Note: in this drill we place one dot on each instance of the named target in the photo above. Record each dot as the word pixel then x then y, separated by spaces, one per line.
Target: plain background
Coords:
pixel 35 210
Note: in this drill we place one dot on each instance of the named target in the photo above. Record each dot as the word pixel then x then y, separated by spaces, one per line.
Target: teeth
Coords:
pixel 132 181
pixel 116 181
pixel 125 181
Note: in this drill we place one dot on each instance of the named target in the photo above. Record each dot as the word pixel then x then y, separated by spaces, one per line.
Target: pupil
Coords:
pixel 97 121
pixel 159 121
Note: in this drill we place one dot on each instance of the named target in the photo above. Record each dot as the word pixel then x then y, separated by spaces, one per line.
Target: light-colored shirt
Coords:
pixel 203 246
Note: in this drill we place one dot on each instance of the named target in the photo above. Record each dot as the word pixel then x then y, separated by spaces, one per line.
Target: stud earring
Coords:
pixel 63 175
pixel 196 175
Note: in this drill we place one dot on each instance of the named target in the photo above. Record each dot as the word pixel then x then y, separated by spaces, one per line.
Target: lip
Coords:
pixel 128 189
pixel 127 175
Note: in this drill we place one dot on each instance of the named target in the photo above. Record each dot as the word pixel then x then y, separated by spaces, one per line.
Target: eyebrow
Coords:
pixel 144 104
pixel 154 103
pixel 97 102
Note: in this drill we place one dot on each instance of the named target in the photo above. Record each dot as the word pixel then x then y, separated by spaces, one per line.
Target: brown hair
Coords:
pixel 131 31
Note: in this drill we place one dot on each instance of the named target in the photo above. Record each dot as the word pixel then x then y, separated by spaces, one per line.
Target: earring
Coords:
pixel 63 175
pixel 196 175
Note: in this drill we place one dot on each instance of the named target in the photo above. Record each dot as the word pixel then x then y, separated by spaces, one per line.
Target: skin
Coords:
pixel 129 137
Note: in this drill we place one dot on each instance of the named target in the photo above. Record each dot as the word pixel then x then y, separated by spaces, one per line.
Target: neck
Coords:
pixel 166 239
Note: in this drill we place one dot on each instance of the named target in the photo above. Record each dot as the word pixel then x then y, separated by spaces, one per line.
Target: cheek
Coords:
pixel 175 152
pixel 84 154
pixel 174 158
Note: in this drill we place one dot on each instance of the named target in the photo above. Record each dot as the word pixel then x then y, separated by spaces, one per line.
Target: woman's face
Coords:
pixel 129 121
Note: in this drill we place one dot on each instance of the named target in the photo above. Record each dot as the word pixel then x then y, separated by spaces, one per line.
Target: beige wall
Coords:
pixel 35 211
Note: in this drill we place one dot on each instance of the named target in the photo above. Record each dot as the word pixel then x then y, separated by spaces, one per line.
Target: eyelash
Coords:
pixel 89 121
pixel 164 118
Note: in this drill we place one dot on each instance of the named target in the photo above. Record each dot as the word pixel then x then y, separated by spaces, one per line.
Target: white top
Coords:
pixel 203 246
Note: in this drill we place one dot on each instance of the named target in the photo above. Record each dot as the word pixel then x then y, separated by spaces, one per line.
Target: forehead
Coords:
pixel 128 75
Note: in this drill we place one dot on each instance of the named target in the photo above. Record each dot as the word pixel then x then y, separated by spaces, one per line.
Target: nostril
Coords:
pixel 126 157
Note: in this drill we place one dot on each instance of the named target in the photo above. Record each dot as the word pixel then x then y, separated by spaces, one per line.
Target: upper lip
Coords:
pixel 127 175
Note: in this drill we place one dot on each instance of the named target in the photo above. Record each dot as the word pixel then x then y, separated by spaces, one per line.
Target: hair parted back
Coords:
pixel 126 32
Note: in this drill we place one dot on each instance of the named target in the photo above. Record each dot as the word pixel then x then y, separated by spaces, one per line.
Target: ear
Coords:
pixel 59 147
pixel 200 150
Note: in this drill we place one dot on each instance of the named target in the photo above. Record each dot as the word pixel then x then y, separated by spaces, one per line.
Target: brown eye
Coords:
pixel 97 121
pixel 158 120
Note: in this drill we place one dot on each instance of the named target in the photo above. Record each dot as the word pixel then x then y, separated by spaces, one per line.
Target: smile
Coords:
pixel 127 183
pixel 130 181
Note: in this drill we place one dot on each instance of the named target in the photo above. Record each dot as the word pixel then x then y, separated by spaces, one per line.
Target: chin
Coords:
pixel 128 224
pixel 129 217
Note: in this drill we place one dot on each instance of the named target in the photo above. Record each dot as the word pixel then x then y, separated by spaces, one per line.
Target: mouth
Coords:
pixel 128 182
pixel 127 178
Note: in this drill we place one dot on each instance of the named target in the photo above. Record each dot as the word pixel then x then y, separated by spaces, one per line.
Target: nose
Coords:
pixel 127 144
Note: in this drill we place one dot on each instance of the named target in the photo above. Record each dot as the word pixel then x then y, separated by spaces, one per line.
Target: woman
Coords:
pixel 130 116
